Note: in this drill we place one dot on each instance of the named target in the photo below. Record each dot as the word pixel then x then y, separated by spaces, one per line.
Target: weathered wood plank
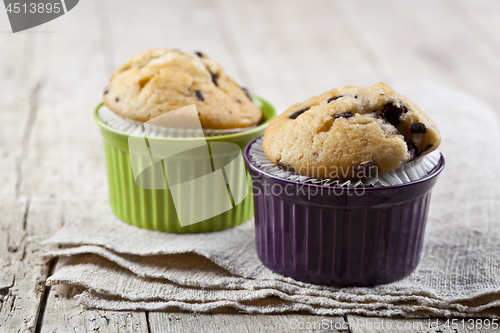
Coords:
pixel 294 51
pixel 15 107
pixel 63 313
pixel 65 159
pixel 23 270
pixel 51 150
pixel 69 157
pixel 21 303
pixel 233 322
pixel 12 237
pixel 359 324
pixel 22 273
pixel 481 18
pixel 60 168
pixel 424 40
pixel 188 26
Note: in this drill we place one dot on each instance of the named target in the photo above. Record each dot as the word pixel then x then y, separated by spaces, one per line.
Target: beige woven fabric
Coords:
pixel 122 267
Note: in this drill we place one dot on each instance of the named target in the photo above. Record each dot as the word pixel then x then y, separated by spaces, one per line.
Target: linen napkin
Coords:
pixel 123 267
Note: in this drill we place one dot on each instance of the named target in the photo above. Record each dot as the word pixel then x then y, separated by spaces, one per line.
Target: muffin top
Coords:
pixel 350 132
pixel 157 81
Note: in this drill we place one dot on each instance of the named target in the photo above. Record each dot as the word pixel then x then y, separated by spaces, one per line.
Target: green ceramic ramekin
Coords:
pixel 154 208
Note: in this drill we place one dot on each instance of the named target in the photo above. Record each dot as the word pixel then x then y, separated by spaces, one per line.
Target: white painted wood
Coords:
pixel 359 324
pixel 294 51
pixel 52 165
pixel 481 19
pixel 231 322
pixel 425 41
pixel 23 271
pixel 59 169
pixel 62 313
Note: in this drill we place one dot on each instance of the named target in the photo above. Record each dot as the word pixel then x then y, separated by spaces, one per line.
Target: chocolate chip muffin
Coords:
pixel 158 81
pixel 350 132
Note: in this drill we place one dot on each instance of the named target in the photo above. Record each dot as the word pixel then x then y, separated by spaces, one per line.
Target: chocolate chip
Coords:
pixel 199 54
pixel 333 99
pixel 237 100
pixel 298 113
pixel 366 169
pixel 356 96
pixel 412 155
pixel 106 92
pixel 346 114
pixel 247 92
pixel 412 149
pixel 365 165
pixel 418 127
pixel 391 113
pixel 117 99
pixel 405 109
pixel 199 95
pixel 214 77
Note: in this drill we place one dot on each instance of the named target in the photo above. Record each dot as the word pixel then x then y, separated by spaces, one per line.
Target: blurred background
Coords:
pixel 284 50
pixel 52 76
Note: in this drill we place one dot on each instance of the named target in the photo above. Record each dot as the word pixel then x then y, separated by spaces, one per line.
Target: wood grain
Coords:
pixel 52 164
pixel 22 271
pixel 425 41
pixel 62 311
pixel 359 324
pixel 231 322
pixel 296 51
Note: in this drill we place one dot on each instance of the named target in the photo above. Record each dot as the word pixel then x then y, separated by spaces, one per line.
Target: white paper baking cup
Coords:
pixel 408 172
pixel 150 130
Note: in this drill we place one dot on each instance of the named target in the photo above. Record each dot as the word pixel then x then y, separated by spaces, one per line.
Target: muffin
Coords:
pixel 158 81
pixel 164 172
pixel 350 132
pixel 330 233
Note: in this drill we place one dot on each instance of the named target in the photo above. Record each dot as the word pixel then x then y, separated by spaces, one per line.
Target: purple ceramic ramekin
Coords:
pixel 340 236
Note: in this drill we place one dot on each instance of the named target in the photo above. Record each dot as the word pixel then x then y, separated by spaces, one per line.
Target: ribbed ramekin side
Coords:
pixel 338 245
pixel 154 208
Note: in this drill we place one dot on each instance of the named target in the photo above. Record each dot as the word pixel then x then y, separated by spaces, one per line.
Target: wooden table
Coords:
pixel 51 77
